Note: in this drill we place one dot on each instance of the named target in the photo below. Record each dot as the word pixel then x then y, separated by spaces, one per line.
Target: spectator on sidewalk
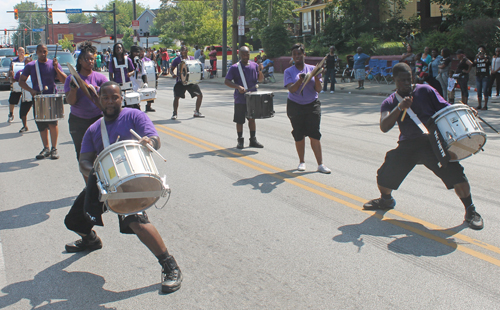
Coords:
pixel 213 61
pixel 434 71
pixel 330 63
pixel 495 71
pixel 360 62
pixel 462 74
pixel 482 63
pixel 444 68
pixel 451 87
pixel 409 57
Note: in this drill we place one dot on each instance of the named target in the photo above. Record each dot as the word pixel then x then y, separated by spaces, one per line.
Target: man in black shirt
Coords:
pixel 330 62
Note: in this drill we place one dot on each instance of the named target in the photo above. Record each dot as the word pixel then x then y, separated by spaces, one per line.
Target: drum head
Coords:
pixel 183 72
pixel 134 205
pixel 466 147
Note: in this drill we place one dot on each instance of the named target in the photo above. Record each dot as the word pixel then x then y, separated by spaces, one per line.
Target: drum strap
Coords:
pixel 38 77
pixel 104 133
pixel 121 67
pixel 242 76
pixel 414 116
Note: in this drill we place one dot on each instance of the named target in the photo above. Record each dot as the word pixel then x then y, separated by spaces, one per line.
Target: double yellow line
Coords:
pixel 281 174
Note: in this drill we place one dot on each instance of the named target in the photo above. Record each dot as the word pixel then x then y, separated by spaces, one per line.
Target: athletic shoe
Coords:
pixel 44 153
pixel 11 117
pixel 24 129
pixel 171 275
pixel 174 116
pixel 91 242
pixel 485 108
pixel 321 91
pixel 198 114
pixel 362 87
pixel 150 109
pixel 53 153
pixel 473 218
pixel 324 169
pixel 240 143
pixel 380 204
pixel 301 167
pixel 332 91
pixel 255 143
pixel 358 87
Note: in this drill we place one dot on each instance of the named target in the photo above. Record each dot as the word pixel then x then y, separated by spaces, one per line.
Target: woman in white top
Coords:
pixel 495 71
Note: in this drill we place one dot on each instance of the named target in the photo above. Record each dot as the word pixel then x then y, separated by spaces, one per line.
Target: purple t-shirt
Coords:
pixel 251 72
pixel 176 62
pixel 47 73
pixel 426 102
pixel 117 76
pixel 128 119
pixel 309 94
pixel 84 107
pixel 18 75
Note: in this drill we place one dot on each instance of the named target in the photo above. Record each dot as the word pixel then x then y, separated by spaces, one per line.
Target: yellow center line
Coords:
pixel 249 162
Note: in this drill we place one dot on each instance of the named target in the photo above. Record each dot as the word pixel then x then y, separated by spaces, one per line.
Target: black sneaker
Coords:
pixel 150 109
pixel 473 218
pixel 255 143
pixel 380 204
pixel 240 143
pixel 53 153
pixel 90 243
pixel 171 275
pixel 24 129
pixel 11 117
pixel 44 153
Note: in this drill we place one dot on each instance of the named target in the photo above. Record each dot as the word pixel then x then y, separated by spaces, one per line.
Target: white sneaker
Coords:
pixel 301 167
pixel 174 116
pixel 324 169
pixel 331 92
pixel 321 91
pixel 198 114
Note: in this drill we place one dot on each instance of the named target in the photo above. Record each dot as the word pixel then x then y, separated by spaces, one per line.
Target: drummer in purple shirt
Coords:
pixel 414 146
pixel 84 112
pixel 304 110
pixel 253 73
pixel 180 89
pixel 49 71
pixel 141 73
pixel 87 209
pixel 121 60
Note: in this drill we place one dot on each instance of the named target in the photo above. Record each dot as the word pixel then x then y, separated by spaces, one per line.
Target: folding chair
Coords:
pixel 387 72
pixel 373 70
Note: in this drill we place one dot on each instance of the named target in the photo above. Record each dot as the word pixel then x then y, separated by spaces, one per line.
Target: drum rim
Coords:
pixel 116 145
pixel 452 107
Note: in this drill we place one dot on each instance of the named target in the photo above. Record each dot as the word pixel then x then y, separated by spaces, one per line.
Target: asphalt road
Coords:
pixel 247 229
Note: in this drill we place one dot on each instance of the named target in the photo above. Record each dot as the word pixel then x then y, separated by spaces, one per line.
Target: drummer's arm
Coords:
pixel 388 119
pixel 86 163
pixel 240 88
pixel 261 75
pixel 293 87
pixel 24 85
pixel 61 76
pixel 317 84
pixel 154 141
pixel 71 95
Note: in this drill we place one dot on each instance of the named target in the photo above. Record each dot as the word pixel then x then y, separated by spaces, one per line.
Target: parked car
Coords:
pixel 7 52
pixel 4 71
pixel 31 49
pixel 218 48
pixel 63 58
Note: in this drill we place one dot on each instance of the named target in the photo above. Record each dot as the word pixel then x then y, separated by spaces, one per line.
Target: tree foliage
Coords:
pixel 257 13
pixel 192 22
pixel 276 40
pixel 464 10
pixel 29 21
pixel 124 15
pixel 79 18
pixel 66 44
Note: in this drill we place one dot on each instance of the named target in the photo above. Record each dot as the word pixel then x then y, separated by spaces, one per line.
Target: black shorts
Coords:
pixel 77 128
pixel 240 112
pixel 14 97
pixel 400 161
pixel 89 200
pixel 180 90
pixel 25 108
pixel 305 119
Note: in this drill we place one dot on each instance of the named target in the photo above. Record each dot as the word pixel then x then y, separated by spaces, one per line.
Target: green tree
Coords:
pixel 463 10
pixel 29 21
pixel 276 40
pixel 66 44
pixel 124 15
pixel 79 18
pixel 257 13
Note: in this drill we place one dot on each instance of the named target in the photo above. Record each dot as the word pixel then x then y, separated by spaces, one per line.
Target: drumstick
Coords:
pixel 404 111
pixel 147 145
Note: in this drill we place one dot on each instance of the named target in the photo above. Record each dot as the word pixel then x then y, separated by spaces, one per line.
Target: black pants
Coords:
pixel 77 128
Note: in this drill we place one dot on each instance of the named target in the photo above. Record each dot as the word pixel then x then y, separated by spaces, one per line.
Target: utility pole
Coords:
pixel 135 18
pixel 270 13
pixel 224 37
pixel 114 21
pixel 242 13
pixel 235 32
pixel 46 23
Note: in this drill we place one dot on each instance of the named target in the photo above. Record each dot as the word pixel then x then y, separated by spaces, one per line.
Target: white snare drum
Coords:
pixel 147 94
pixel 190 71
pixel 126 86
pixel 49 108
pixel 131 98
pixel 150 68
pixel 127 178
pixel 259 104
pixel 461 131
pixel 16 67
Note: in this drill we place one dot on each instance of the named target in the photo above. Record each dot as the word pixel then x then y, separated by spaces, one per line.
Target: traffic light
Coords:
pixel 73 45
pixel 16 14
pixel 111 37
pixel 5 31
pixel 25 30
pixel 50 13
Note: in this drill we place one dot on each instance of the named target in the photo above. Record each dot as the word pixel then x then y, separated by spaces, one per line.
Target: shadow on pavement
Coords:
pixel 404 241
pixel 18 165
pixel 55 288
pixel 228 153
pixel 267 182
pixel 32 214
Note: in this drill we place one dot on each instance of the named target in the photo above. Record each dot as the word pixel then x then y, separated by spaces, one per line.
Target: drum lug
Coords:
pixel 103 194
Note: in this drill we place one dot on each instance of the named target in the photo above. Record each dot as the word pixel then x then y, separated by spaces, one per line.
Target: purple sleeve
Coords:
pixel 175 62
pixel 436 99
pixel 130 65
pixel 288 78
pixel 87 144
pixel 18 75
pixel 144 126
pixel 27 69
pixel 389 103
pixel 230 74
pixel 67 88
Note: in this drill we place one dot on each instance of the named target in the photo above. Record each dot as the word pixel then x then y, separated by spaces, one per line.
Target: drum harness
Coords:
pixel 414 116
pixel 38 77
pixel 242 76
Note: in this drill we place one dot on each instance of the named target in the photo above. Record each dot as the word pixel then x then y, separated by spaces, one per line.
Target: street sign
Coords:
pixel 73 11
pixel 135 25
pixel 241 25
pixel 37 29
